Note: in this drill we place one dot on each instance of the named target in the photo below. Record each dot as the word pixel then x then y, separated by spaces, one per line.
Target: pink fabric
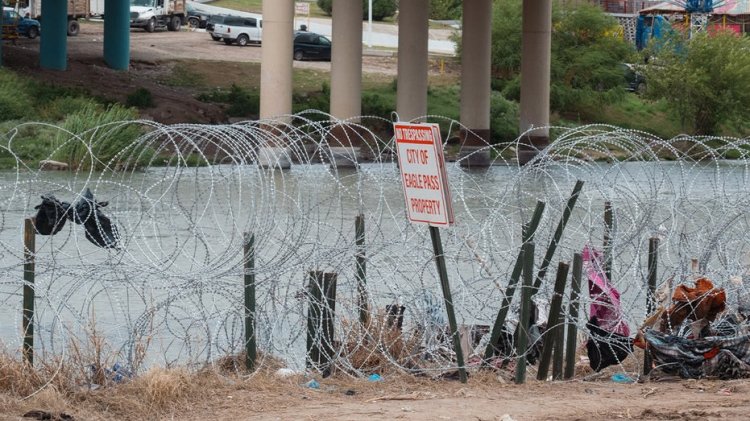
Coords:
pixel 605 304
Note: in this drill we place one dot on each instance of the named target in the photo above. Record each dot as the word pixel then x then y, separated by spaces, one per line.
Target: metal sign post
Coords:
pixel 428 202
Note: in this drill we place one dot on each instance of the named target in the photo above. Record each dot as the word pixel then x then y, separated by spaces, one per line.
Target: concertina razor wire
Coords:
pixel 182 196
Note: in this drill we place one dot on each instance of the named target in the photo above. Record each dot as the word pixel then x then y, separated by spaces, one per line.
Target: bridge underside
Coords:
pixel 346 66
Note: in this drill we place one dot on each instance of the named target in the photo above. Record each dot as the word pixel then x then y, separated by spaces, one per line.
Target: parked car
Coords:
pixel 240 29
pixel 197 19
pixel 634 80
pixel 213 20
pixel 311 46
pixel 23 26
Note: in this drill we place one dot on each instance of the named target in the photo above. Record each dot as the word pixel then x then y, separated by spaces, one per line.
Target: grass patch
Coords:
pixel 632 112
pixel 99 139
pixel 203 76
pixel 184 74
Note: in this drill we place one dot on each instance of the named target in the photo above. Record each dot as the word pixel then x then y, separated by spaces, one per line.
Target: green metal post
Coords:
pixel 117 34
pixel 570 352
pixel 29 250
pixel 527 235
pixel 523 320
pixel 437 246
pixel 251 349
pixel 553 321
pixel 53 44
pixel 653 262
pixel 361 262
pixel 608 231
pixel 558 234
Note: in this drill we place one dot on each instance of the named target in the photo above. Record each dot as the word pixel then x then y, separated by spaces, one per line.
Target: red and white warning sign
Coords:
pixel 420 158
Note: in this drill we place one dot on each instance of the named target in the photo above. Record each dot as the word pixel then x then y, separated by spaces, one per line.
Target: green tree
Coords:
pixel 445 9
pixel 326 6
pixel 587 52
pixel 381 9
pixel 705 81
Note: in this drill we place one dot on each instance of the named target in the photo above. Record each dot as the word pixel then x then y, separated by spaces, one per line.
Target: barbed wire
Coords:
pixel 182 197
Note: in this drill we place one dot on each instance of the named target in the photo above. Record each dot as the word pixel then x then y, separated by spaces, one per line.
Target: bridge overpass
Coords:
pixel 346 66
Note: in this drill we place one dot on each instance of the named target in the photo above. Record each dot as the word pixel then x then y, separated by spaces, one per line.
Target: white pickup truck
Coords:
pixel 240 29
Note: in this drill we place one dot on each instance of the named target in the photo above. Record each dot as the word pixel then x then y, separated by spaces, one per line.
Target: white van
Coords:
pixel 240 29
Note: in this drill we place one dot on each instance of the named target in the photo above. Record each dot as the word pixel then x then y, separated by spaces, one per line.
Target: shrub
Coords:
pixel 140 98
pixel 381 9
pixel 326 6
pixel 374 104
pixel 102 138
pixel 59 108
pixel 445 9
pixel 705 81
pixel 242 103
pixel 587 56
pixel 504 116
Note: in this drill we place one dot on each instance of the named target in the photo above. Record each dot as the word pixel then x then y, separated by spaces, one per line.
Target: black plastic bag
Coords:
pixel 99 228
pixel 606 348
pixel 50 216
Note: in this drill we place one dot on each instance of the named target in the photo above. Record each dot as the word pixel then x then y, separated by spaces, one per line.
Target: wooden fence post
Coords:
pixel 29 250
pixel 361 262
pixel 251 347
pixel 314 316
pixel 320 319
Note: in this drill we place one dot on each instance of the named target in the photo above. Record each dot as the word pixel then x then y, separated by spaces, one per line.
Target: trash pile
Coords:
pixel 697 336
pixel 692 333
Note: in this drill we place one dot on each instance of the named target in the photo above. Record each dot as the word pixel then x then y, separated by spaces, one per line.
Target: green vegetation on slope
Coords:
pixel 24 100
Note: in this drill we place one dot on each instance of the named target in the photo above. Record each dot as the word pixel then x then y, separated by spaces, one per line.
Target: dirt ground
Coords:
pixel 535 401
pixel 402 397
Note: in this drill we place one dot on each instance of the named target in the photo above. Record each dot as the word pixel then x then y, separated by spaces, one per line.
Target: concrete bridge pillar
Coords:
pixel 346 59
pixel 276 76
pixel 535 77
pixel 413 35
pixel 53 44
pixel 276 58
pixel 346 80
pixel 117 34
pixel 476 86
